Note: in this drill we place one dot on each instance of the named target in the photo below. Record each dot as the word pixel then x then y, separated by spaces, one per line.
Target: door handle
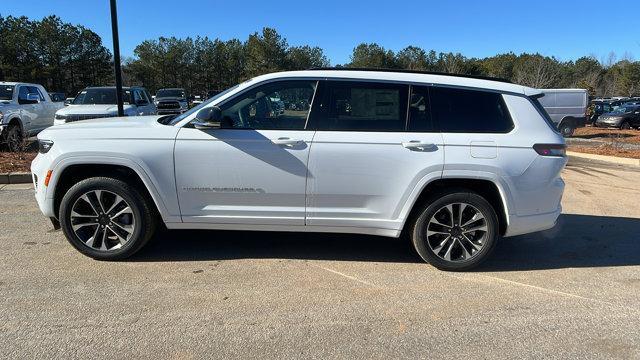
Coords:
pixel 286 141
pixel 416 144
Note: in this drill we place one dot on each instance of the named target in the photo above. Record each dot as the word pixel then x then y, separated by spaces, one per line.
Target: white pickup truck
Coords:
pixel 25 110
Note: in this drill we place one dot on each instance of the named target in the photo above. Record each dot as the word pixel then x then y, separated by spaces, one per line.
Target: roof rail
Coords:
pixel 414 72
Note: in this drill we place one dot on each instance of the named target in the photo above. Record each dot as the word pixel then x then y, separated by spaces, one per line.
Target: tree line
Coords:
pixel 65 57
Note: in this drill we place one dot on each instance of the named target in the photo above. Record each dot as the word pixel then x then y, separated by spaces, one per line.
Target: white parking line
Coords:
pixel 347 276
pixel 493 279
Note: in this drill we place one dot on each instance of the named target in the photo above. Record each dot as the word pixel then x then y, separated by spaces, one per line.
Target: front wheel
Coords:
pixel 106 219
pixel 12 139
pixel 625 126
pixel 456 231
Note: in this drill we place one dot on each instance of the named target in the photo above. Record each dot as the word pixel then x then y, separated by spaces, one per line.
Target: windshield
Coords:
pixel 623 110
pixel 106 96
pixel 179 93
pixel 183 116
pixel 6 92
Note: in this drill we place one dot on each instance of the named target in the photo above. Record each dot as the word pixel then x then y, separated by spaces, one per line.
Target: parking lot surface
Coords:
pixel 570 291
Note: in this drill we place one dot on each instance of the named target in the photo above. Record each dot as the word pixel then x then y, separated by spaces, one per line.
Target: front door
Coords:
pixel 254 170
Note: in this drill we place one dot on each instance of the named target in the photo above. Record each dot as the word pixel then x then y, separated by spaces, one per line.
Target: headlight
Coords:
pixel 61 117
pixel 44 146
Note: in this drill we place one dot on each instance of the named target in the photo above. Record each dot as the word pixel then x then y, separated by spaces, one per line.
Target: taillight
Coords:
pixel 550 149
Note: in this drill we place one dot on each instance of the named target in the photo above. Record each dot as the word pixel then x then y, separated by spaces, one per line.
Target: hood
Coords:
pixel 126 122
pixel 91 109
pixel 615 115
pixel 128 127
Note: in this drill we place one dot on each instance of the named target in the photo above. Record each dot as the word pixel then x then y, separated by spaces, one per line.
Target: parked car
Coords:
pixel 623 117
pixel 567 108
pixel 100 102
pixel 197 100
pixel 454 162
pixel 57 97
pixel 171 101
pixel 599 107
pixel 25 110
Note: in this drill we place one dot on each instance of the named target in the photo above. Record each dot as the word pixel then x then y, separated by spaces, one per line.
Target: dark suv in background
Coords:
pixel 623 117
pixel 171 101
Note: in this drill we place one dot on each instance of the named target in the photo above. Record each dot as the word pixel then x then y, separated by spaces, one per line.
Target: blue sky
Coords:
pixel 565 29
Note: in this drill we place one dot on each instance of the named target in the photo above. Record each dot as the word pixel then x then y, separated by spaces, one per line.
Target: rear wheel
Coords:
pixel 106 219
pixel 625 126
pixel 456 231
pixel 567 129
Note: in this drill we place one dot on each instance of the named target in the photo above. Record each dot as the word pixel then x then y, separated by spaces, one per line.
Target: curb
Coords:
pixel 611 159
pixel 16 178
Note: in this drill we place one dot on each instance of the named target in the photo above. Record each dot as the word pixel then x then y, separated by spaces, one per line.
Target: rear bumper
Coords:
pixel 519 225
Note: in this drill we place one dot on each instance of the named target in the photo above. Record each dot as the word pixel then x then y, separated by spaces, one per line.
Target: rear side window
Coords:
pixel 472 111
pixel 363 106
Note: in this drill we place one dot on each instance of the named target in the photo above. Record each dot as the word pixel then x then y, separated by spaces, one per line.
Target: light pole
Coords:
pixel 116 57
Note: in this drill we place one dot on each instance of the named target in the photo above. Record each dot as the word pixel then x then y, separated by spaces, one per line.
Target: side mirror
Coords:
pixel 208 118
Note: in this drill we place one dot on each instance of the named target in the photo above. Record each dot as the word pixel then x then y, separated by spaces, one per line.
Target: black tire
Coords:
pixel 142 210
pixel 625 126
pixel 422 244
pixel 567 129
pixel 12 138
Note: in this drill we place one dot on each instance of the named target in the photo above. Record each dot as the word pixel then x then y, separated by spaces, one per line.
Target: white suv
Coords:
pixel 453 162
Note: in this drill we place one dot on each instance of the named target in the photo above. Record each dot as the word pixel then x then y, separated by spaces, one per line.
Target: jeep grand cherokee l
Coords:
pixel 454 162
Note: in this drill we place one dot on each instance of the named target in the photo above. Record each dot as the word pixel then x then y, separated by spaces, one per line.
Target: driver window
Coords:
pixel 138 97
pixel 282 105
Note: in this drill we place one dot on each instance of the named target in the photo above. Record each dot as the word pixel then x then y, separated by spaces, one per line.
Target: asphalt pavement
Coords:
pixel 573 291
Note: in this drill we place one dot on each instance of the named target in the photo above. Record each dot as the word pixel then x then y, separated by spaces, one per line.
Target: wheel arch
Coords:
pixel 68 174
pixel 486 188
pixel 15 120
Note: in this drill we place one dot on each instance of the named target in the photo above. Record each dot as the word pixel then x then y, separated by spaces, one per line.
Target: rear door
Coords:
pixel 370 154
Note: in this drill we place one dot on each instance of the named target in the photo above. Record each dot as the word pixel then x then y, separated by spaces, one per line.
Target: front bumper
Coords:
pixel 171 112
pixel 39 168
pixel 608 123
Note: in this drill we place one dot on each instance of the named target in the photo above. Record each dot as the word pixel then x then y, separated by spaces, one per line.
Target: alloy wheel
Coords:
pixel 457 232
pixel 102 220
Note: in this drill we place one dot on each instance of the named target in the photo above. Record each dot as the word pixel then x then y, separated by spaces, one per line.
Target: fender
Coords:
pixel 500 184
pixel 150 182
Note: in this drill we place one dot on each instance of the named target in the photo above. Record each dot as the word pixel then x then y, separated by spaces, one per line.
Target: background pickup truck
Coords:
pixel 25 110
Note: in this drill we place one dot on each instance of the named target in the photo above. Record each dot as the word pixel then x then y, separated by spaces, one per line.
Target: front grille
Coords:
pixel 168 105
pixel 78 117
